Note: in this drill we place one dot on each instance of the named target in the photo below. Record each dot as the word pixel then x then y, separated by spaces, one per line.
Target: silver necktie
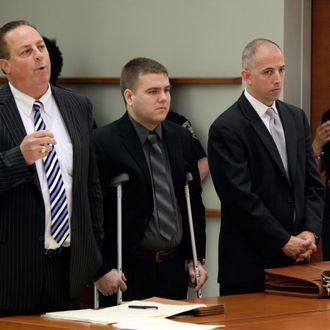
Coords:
pixel 276 130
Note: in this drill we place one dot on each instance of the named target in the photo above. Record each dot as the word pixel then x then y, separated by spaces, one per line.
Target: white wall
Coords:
pixel 191 37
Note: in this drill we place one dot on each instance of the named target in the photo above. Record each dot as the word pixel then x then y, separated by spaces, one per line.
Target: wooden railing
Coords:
pixel 174 81
pixel 212 213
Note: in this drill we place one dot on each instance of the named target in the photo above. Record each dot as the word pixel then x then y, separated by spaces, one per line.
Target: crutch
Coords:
pixel 118 182
pixel 189 178
pixel 96 298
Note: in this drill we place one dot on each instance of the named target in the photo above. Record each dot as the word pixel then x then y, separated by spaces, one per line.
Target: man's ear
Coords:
pixel 245 75
pixel 4 65
pixel 128 94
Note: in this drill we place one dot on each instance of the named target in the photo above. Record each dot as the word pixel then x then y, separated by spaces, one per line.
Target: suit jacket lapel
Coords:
pixel 262 132
pixel 11 116
pixel 290 132
pixel 68 114
pixel 12 119
pixel 132 143
pixel 175 157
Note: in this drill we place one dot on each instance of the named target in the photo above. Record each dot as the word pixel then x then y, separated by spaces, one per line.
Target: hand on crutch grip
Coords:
pixel 189 178
pixel 118 182
pixel 197 276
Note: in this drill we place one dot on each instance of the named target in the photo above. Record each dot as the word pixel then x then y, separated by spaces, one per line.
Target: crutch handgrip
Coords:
pixel 189 177
pixel 119 180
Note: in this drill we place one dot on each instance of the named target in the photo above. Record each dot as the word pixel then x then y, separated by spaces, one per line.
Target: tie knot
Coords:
pixel 152 137
pixel 271 113
pixel 37 105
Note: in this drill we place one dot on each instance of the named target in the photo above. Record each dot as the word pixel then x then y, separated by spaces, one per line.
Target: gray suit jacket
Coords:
pixel 258 200
pixel 22 222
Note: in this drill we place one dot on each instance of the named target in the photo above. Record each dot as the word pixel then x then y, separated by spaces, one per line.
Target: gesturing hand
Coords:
pixel 37 145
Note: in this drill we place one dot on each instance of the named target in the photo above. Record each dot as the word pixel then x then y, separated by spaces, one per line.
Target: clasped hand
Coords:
pixel 300 247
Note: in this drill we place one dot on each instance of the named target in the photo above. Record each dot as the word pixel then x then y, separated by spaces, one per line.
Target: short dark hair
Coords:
pixel 56 59
pixel 250 49
pixel 4 51
pixel 139 65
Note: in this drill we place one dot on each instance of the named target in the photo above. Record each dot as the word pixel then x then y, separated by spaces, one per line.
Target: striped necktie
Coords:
pixel 60 228
pixel 164 206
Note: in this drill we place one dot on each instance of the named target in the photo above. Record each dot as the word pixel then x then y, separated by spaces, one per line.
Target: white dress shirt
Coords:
pixel 260 108
pixel 54 122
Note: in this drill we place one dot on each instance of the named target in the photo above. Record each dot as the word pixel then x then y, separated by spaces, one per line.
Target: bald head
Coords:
pixel 249 52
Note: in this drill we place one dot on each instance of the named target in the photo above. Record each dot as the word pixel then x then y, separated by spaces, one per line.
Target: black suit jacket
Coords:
pixel 22 222
pixel 258 200
pixel 119 150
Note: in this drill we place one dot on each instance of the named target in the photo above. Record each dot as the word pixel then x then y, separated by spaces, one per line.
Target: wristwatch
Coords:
pixel 202 261
pixel 317 238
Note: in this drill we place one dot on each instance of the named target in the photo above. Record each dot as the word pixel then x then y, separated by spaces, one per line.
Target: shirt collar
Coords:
pixel 28 100
pixel 143 132
pixel 258 106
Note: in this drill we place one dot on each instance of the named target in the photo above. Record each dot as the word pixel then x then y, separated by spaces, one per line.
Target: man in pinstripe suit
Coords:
pixel 38 274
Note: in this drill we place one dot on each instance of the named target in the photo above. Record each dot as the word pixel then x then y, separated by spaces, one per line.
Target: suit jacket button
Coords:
pixel 41 238
pixel 290 200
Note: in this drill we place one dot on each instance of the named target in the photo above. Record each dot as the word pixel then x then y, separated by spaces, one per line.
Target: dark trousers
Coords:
pixel 147 278
pixel 55 293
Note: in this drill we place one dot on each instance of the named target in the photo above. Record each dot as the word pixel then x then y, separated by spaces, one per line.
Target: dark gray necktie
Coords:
pixel 165 210
pixel 276 130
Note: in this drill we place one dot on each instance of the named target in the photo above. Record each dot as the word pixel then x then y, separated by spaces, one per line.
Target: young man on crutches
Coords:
pixel 156 154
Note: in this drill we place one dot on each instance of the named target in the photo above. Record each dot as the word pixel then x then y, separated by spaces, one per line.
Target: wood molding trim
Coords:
pixel 174 81
pixel 212 213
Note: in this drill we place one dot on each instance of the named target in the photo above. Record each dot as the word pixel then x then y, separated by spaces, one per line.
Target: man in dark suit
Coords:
pixel 51 209
pixel 271 194
pixel 154 264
